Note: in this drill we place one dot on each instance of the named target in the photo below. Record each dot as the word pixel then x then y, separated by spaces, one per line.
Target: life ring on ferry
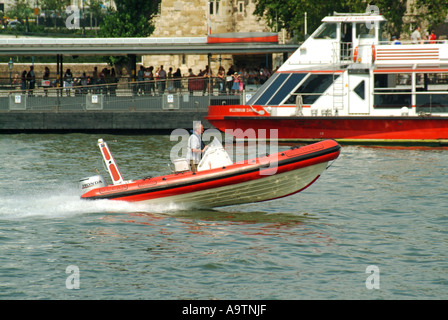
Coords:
pixel 355 54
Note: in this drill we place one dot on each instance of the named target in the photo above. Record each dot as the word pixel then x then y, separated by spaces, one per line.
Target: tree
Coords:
pixel 394 12
pixel 96 12
pixel 20 9
pixel 433 11
pixel 290 14
pixel 132 18
pixel 56 7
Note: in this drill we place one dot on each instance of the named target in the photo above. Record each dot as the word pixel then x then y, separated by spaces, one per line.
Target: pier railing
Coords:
pixel 194 93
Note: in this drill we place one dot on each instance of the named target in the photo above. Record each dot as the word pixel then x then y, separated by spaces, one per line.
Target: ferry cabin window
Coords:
pixel 274 92
pixel 432 92
pixel 290 84
pixel 392 90
pixel 272 89
pixel 384 31
pixel 393 81
pixel 262 91
pixel 313 87
pixel 346 32
pixel 365 30
pixel 326 31
pixel 360 90
pixel 432 81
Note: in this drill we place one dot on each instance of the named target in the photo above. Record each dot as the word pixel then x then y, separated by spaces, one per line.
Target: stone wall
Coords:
pixel 195 18
pixel 191 18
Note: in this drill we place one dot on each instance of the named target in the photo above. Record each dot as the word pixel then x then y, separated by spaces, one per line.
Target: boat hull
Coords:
pixel 267 178
pixel 246 192
pixel 354 129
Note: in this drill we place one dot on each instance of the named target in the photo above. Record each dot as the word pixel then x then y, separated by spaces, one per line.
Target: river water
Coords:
pixel 374 226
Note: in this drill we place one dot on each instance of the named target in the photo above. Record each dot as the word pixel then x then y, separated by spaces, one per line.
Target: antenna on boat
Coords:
pixel 110 163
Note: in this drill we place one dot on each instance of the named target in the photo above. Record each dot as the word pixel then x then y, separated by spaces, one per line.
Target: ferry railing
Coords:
pixel 423 41
pixel 346 51
pixel 194 94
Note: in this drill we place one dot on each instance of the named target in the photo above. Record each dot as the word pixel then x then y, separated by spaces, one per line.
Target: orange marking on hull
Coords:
pixel 106 153
pixel 114 172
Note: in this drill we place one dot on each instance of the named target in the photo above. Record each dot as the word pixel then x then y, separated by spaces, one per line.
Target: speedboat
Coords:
pixel 218 181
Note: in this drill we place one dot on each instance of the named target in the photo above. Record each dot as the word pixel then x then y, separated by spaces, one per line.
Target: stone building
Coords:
pixel 198 18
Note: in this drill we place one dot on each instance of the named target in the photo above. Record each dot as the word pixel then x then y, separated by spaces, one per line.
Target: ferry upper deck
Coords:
pixel 349 67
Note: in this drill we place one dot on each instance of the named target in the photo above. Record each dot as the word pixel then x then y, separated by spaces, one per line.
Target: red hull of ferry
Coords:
pixel 388 129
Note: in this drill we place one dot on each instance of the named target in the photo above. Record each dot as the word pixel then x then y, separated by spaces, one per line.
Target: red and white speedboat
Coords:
pixel 347 82
pixel 218 182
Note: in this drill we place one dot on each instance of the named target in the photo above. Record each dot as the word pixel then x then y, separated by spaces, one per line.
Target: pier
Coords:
pixel 125 105
pixel 132 106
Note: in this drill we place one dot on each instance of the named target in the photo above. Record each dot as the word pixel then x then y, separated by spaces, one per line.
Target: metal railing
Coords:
pixel 194 93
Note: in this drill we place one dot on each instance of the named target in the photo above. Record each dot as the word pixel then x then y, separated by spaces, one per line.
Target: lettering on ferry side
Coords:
pixel 237 109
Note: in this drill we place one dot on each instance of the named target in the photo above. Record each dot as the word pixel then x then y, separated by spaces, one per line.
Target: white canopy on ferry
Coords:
pixel 353 18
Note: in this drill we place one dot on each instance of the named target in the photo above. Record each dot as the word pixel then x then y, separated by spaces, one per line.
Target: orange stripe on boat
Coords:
pixel 106 153
pixel 114 171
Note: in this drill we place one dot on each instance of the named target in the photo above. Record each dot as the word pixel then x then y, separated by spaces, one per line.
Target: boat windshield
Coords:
pixel 214 157
pixel 326 31
pixel 365 30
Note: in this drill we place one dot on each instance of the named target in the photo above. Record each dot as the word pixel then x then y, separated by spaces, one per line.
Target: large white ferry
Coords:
pixel 348 82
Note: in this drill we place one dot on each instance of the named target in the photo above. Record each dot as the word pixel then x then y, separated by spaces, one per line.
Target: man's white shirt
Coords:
pixel 194 143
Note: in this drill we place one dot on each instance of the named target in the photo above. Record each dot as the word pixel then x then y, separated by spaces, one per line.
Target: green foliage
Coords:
pixel 131 19
pixel 290 14
pixel 58 6
pixel 124 24
pixel 434 11
pixel 20 9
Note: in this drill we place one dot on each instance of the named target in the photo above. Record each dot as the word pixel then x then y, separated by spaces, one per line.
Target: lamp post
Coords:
pixel 10 66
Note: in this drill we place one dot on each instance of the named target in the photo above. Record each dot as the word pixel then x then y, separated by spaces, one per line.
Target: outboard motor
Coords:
pixel 90 183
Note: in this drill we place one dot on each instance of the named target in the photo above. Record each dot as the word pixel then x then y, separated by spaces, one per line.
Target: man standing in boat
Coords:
pixel 195 146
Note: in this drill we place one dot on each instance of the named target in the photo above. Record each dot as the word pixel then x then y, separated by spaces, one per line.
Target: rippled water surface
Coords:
pixel 381 207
